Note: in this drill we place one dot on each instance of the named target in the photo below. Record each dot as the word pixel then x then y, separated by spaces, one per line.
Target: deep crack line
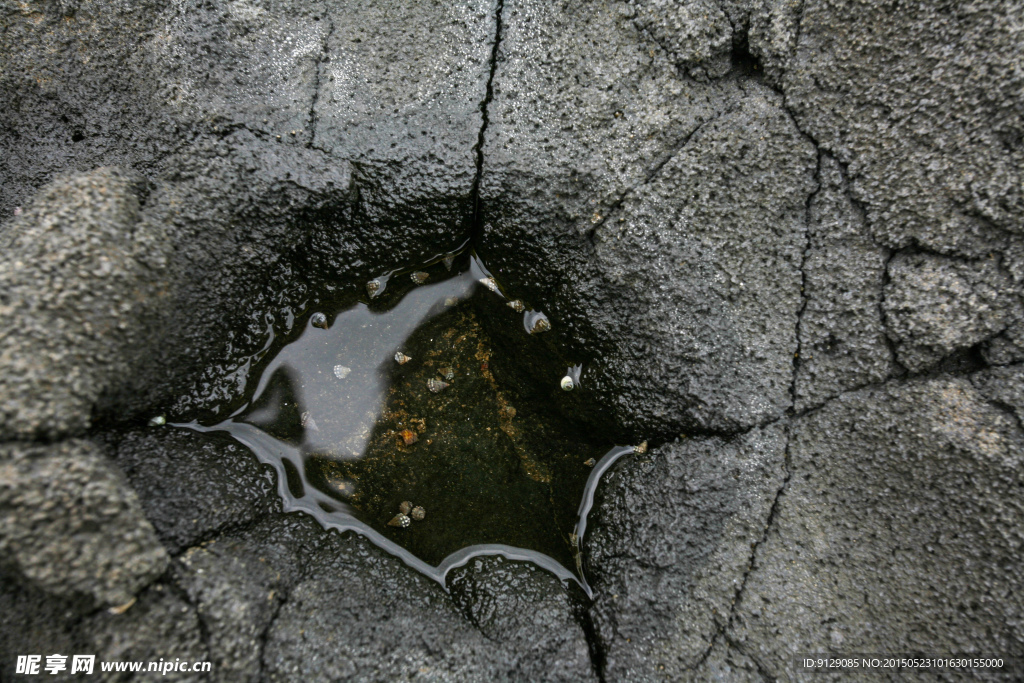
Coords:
pixel 321 59
pixel 477 226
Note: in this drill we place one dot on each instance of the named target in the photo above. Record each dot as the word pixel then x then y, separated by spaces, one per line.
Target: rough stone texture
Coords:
pixel 237 588
pixel 698 34
pixel 936 305
pixel 71 526
pixel 663 218
pixel 670 546
pixel 75 282
pixel 193 486
pixel 43 624
pixel 726 664
pixel 160 625
pixel 842 339
pixel 1004 387
pixel 400 97
pixel 922 102
pixel 360 614
pixel 529 612
pixel 900 530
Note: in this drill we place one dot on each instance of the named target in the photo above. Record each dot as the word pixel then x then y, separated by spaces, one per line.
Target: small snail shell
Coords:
pixel 436 386
pixel 542 325
pixel 400 521
pixel 568 384
pixel 418 513
pixel 516 305
pixel 401 358
pixel 319 320
pixel 419 277
pixel 449 260
pixel 373 288
pixel 405 507
pixel 489 283
pixel 641 449
pixel 447 373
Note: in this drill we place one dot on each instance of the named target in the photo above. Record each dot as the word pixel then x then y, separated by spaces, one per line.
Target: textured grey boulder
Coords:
pixel 928 137
pixel 671 274
pixel 71 526
pixel 907 542
pixel 530 612
pixel 936 305
pixel 161 625
pixel 192 486
pixel 360 613
pixel 78 280
pixel 670 548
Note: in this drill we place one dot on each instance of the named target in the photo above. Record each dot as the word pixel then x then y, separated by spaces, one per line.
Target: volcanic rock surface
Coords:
pixel 785 239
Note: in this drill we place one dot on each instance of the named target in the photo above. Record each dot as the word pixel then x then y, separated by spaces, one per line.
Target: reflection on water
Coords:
pixel 429 457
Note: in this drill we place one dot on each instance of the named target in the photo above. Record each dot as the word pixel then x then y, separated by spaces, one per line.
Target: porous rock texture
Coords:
pixel 784 239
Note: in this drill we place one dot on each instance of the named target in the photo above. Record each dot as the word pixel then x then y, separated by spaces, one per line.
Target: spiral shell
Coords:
pixel 449 260
pixel 542 325
pixel 400 521
pixel 405 507
pixel 568 384
pixel 401 358
pixel 418 513
pixel 419 277
pixel 516 305
pixel 373 288
pixel 489 283
pixel 319 320
pixel 641 449
pixel 341 372
pixel 158 421
pixel 436 386
pixel 447 373
pixel 589 462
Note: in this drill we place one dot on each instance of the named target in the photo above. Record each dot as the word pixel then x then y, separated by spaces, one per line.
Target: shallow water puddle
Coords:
pixel 386 418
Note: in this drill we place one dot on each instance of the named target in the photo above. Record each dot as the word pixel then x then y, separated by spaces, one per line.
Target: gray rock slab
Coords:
pixel 237 592
pixel 76 280
pixel 935 305
pixel 670 544
pixel 71 525
pixel 842 339
pixel 899 531
pixel 647 251
pixel 530 612
pixel 193 486
pixel 698 34
pixel 360 614
pixel 922 103
pixel 161 625
pixel 1004 387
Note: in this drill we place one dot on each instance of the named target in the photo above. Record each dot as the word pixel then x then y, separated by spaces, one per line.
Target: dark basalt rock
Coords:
pixel 693 192
pixel 664 220
pixel 898 530
pixel 670 547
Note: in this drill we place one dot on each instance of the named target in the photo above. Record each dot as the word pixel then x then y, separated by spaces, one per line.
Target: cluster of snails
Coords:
pixel 407 514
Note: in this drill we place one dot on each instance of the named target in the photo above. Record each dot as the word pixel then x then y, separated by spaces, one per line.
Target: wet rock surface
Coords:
pixel 193 487
pixel 648 249
pixel 907 543
pixel 528 611
pixel 670 548
pixel 693 192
